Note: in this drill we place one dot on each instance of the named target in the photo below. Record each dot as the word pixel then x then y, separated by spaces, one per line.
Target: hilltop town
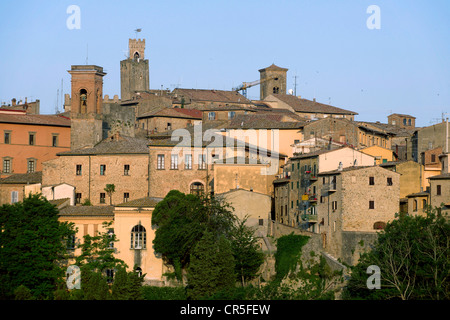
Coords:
pixel 289 164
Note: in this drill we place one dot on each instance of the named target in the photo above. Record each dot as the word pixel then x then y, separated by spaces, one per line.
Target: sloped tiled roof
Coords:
pixel 305 105
pixel 23 178
pixel 84 211
pixel 35 119
pixel 212 95
pixel 142 202
pixel 444 176
pixel 263 121
pixel 113 145
pixel 273 67
pixel 389 128
pixel 172 113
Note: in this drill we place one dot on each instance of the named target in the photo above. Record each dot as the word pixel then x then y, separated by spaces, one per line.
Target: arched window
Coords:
pixel 138 270
pixel 424 204
pixel 197 188
pixel 136 56
pixel 83 101
pixel 138 237
pixel 276 89
pixel 415 205
pixel 379 225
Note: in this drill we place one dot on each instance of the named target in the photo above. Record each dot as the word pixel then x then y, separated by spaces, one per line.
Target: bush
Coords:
pixel 163 293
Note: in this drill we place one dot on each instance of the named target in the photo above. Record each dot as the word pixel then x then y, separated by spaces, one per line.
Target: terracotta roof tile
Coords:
pixel 113 145
pixel 87 211
pixel 304 105
pixel 23 178
pixel 142 202
pixel 36 119
pixel 212 95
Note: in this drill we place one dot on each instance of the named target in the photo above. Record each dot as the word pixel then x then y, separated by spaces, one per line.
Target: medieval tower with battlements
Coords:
pixel 134 71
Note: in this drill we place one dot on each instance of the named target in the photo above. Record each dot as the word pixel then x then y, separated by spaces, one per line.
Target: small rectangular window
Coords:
pixel 126 170
pixel 126 197
pixel 31 166
pixel 14 196
pixel 201 161
pixel 7 137
pixel 54 140
pixel 371 204
pixel 79 169
pixel 78 198
pixel 389 181
pixel 160 163
pixel 102 197
pixel 174 162
pixel 188 162
pixel 438 190
pixel 31 139
pixel 102 169
pixel 371 181
pixel 6 165
pixel 211 116
pixel 334 205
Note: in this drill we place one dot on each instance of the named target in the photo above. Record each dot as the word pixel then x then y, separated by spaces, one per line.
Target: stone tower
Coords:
pixel 272 80
pixel 134 71
pixel 86 111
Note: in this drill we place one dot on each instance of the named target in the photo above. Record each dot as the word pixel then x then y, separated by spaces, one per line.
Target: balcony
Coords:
pixel 312 198
pixel 332 187
pixel 311 218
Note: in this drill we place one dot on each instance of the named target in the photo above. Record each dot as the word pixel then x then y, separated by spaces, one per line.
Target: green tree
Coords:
pixel 127 285
pixel 248 257
pixel 181 221
pixel 97 252
pixel 412 253
pixel 94 285
pixel 33 245
pixel 110 189
pixel 211 269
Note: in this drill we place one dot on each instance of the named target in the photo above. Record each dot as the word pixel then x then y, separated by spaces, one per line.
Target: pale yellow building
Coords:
pixel 382 155
pixel 131 224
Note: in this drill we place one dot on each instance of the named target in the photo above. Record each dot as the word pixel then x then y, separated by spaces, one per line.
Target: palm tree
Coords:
pixel 110 189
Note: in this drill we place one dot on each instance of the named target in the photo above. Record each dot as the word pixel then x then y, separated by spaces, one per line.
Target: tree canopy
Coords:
pixel 33 243
pixel 412 254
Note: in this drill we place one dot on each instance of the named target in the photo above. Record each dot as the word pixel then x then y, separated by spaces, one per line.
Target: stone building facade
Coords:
pixel 118 160
pixel 134 71
pixel 297 189
pixel 354 204
pixel 402 120
pixel 189 165
pixel 272 81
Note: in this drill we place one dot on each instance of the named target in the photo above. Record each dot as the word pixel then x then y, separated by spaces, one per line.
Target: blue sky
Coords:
pixel 402 67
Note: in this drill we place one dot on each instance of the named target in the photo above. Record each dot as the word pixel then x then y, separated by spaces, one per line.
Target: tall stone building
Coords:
pixel 86 105
pixel 272 81
pixel 134 71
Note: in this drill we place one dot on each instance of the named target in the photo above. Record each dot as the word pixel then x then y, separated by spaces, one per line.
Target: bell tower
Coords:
pixel 134 71
pixel 86 105
pixel 272 81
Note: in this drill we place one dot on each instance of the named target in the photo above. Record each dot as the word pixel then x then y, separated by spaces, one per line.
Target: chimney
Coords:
pixel 314 99
pixel 13 101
